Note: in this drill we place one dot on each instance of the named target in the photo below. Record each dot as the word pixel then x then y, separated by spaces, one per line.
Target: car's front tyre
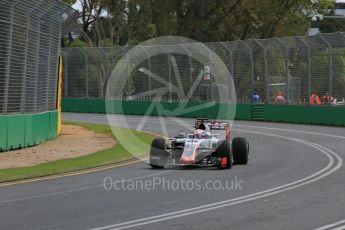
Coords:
pixel 240 150
pixel 223 152
pixel 158 153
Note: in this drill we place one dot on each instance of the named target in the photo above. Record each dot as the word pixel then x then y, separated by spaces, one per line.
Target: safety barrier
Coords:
pixel 300 114
pixel 24 130
pixel 306 114
pixel 134 107
pixel 30 33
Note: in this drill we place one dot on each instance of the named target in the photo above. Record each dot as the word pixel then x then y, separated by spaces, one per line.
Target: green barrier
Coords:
pixel 41 123
pixel 306 114
pixel 149 108
pixel 243 112
pixel 83 105
pixel 16 131
pixel 53 124
pixel 171 109
pixel 23 130
pixel 302 114
pixel 29 131
pixel 3 133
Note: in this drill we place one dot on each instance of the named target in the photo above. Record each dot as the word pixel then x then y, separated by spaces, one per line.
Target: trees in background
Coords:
pixel 113 23
pixel 119 22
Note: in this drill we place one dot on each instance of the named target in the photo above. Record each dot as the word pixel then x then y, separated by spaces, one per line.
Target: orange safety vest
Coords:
pixel 314 99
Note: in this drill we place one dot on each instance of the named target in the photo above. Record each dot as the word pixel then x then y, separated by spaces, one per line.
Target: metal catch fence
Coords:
pixel 30 33
pixel 293 67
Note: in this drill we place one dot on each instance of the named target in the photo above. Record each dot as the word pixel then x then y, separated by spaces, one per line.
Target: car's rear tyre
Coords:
pixel 158 153
pixel 240 150
pixel 222 151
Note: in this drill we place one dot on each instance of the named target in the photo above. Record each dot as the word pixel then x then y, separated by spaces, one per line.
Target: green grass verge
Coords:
pixel 108 156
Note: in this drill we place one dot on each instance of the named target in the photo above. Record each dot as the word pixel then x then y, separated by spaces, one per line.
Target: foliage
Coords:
pixel 70 2
pixel 120 22
pixel 78 43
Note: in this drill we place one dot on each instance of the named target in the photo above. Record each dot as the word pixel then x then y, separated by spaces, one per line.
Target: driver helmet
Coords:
pixel 199 133
pixel 202 126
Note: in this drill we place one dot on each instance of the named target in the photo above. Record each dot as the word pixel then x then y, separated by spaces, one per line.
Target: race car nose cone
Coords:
pixel 187 160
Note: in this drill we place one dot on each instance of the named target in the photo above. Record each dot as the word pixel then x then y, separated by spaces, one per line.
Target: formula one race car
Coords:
pixel 200 148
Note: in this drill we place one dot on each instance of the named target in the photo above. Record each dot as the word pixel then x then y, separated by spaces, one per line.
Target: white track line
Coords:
pixel 339 228
pixel 151 120
pixel 331 226
pixel 335 162
pixel 75 190
pixel 292 130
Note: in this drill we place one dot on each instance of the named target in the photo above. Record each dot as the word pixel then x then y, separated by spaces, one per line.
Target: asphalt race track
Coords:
pixel 295 180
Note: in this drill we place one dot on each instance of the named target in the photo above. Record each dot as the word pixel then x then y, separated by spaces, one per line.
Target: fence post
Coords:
pixel 65 69
pixel 211 71
pixel 51 18
pixel 45 19
pixel 101 87
pixel 55 53
pixel 330 61
pixel 309 66
pixel 86 61
pixel 266 69
pixel 343 36
pixel 287 82
pixel 128 72
pixel 189 62
pixel 231 60
pixel 169 69
pixel 251 63
pixel 149 68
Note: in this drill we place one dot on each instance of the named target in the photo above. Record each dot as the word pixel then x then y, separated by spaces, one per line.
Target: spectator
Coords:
pixel 255 97
pixel 327 99
pixel 334 101
pixel 314 99
pixel 279 99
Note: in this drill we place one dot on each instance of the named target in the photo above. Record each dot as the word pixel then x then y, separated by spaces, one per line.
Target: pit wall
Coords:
pixel 24 130
pixel 300 114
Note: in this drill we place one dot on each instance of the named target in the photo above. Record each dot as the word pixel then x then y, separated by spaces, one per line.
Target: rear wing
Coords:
pixel 213 124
